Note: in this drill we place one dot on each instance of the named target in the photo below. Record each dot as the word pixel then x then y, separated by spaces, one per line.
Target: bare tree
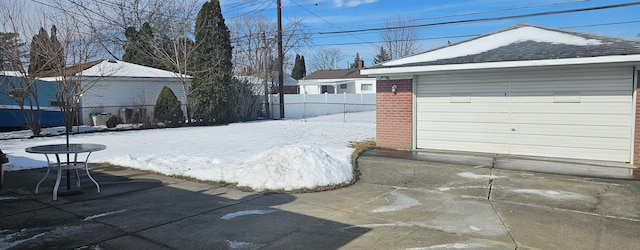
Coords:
pixel 248 44
pixel 21 87
pixel 325 58
pixel 79 42
pixel 399 39
pixel 172 21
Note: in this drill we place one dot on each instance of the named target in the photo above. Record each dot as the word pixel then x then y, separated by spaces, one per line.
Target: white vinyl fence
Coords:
pixel 309 105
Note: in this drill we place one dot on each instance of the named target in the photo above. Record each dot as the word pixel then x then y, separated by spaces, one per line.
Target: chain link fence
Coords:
pixel 295 107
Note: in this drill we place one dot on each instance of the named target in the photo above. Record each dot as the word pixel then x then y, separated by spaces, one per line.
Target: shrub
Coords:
pixel 167 109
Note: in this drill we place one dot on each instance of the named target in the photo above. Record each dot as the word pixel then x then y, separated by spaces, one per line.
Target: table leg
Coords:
pixel 59 177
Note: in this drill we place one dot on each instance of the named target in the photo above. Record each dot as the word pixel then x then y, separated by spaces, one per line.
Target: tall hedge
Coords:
pixel 167 109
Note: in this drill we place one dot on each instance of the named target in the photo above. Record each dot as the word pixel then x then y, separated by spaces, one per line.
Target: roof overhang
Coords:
pixel 326 82
pixel 412 70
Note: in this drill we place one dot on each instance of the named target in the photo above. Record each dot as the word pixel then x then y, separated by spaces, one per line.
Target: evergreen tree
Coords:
pixel 356 61
pixel 37 57
pixel 167 109
pixel 210 90
pixel 304 66
pixel 57 59
pixel 139 47
pixel 130 50
pixel 11 51
pixel 145 45
pixel 382 56
pixel 299 69
pixel 46 52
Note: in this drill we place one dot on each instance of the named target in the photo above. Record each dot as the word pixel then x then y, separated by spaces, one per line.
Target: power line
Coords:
pixel 488 18
pixel 473 35
pixel 477 12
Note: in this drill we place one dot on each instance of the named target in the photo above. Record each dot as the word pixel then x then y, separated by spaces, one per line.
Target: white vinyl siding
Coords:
pixel 567 112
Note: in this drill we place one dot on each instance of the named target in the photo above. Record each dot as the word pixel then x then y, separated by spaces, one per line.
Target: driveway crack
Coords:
pixel 490 185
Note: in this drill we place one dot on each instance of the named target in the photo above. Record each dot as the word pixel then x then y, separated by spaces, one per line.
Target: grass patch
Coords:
pixel 360 147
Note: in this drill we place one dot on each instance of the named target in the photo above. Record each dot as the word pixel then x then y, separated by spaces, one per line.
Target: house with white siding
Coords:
pixel 121 88
pixel 338 81
pixel 524 90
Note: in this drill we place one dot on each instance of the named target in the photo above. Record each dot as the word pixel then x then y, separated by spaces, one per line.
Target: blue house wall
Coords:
pixel 10 114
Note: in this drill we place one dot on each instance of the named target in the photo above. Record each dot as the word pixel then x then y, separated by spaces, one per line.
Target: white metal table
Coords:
pixel 70 163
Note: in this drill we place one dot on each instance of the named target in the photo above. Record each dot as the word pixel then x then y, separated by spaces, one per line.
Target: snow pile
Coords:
pixel 293 166
pixel 276 155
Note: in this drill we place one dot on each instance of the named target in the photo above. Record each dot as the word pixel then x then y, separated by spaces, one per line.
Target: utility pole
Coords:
pixel 280 61
pixel 266 74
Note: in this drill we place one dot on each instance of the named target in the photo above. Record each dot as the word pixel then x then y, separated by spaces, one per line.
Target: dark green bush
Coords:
pixel 167 109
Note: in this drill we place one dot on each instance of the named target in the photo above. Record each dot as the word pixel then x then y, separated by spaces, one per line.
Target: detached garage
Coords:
pixel 524 90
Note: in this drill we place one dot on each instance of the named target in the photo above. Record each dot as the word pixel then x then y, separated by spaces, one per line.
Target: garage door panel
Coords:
pixel 602 154
pixel 483 147
pixel 568 112
pixel 455 119
pixel 571 108
pixel 606 132
pixel 570 141
pixel 572 119
pixel 464 98
pixel 547 97
pixel 465 127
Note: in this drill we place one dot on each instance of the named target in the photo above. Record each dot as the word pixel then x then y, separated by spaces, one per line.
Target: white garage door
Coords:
pixel 583 113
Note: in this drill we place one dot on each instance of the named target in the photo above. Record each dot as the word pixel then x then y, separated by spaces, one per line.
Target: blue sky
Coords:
pixel 322 16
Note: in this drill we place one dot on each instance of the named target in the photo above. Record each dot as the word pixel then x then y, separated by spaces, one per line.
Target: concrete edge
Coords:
pixel 573 167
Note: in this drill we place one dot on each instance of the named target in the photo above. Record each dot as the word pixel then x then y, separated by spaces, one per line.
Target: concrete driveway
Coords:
pixel 400 202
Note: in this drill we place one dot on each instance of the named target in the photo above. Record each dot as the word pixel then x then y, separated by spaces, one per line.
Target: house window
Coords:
pixel 55 103
pixel 327 89
pixel 343 86
pixel 366 87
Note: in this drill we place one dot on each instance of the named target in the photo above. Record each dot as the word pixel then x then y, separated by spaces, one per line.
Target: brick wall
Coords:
pixel 393 114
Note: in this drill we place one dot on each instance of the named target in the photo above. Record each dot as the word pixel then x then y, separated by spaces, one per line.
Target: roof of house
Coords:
pixel 520 43
pixel 335 74
pixel 112 68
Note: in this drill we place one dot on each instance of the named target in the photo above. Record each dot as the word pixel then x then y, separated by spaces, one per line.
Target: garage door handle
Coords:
pixel 513 129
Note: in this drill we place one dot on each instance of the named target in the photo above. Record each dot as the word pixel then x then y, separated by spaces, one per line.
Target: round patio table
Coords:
pixel 70 163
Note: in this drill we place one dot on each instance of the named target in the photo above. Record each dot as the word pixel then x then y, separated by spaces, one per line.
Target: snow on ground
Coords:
pixel 281 154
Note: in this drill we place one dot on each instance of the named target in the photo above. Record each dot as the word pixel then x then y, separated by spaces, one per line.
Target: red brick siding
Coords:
pixel 393 114
pixel 636 137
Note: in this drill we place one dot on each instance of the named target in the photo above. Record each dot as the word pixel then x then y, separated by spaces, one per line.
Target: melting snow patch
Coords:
pixel 246 212
pixel 7 198
pixel 244 245
pixel 8 240
pixel 461 187
pixel 554 194
pixel 478 176
pixel 398 224
pixel 477 229
pixel 400 202
pixel 453 246
pixel 104 214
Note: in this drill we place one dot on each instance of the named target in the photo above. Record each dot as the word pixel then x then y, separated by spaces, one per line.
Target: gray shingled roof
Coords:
pixel 531 50
pixel 335 74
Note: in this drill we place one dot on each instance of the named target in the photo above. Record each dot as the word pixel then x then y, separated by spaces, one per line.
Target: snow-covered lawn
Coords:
pixel 282 154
